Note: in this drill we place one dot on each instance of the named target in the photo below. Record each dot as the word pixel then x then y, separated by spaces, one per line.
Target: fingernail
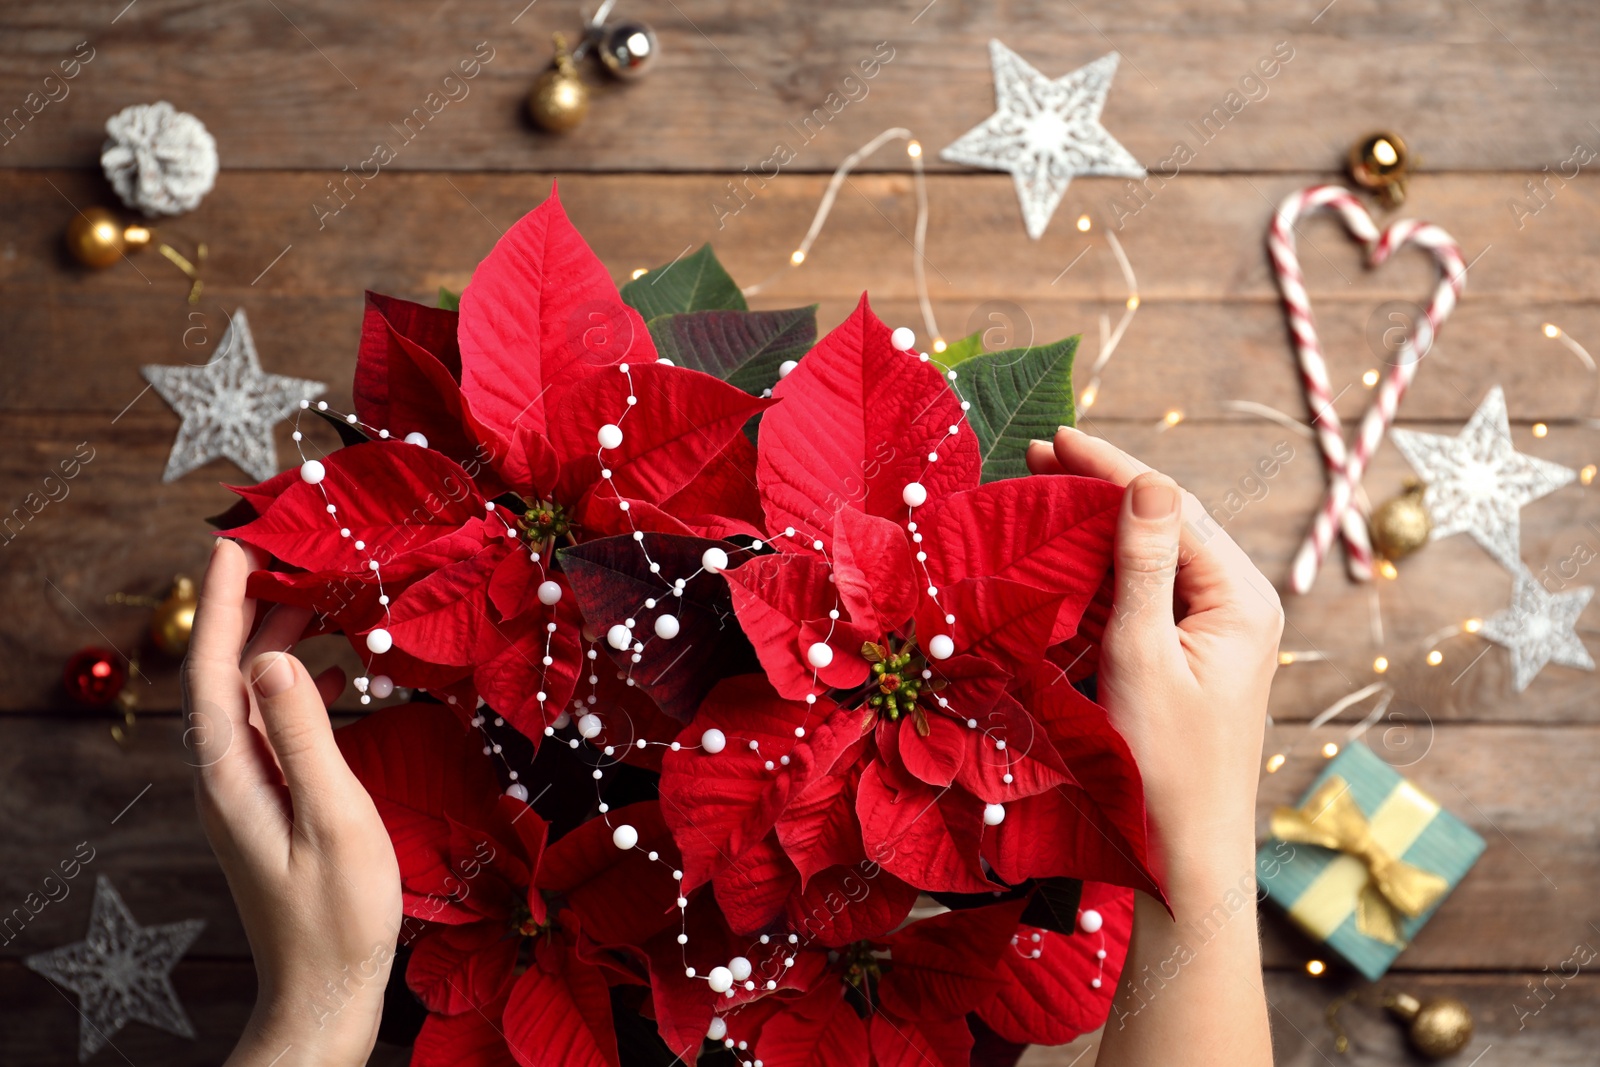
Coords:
pixel 216 543
pixel 1154 501
pixel 272 674
pixel 1041 444
pixel 1068 429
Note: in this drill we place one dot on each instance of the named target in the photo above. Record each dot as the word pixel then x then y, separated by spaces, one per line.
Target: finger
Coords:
pixel 1094 457
pixel 280 630
pixel 300 734
pixel 220 624
pixel 1212 567
pixel 1041 458
pixel 330 683
pixel 257 560
pixel 1143 625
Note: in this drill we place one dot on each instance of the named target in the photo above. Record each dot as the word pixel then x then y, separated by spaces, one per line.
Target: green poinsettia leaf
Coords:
pixel 694 282
pixel 1017 396
pixel 449 301
pixel 958 352
pixel 745 348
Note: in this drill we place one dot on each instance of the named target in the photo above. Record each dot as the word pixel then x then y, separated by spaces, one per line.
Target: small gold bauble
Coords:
pixel 172 622
pixel 1439 1028
pixel 1401 526
pixel 559 100
pixel 1380 162
pixel 97 238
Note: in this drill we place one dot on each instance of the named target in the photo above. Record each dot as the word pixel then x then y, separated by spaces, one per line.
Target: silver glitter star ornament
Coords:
pixel 1045 132
pixel 1476 482
pixel 1540 627
pixel 228 406
pixel 120 971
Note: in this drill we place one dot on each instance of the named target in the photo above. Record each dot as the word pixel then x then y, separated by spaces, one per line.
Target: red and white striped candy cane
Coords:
pixel 1346 467
pixel 1313 369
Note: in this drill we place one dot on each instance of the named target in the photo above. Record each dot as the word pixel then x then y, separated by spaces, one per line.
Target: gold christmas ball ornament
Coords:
pixel 1379 162
pixel 1401 526
pixel 559 100
pixel 97 238
pixel 627 49
pixel 172 621
pixel 1438 1028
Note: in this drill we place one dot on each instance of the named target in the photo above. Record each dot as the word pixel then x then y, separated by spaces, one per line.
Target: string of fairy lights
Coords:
pixel 598 727
pixel 591 721
pixel 1434 655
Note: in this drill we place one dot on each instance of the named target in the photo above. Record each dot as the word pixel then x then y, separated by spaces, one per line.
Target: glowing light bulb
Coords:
pixel 1551 330
pixel 1084 224
pixel 1330 750
pixel 1586 476
pixel 1285 658
pixel 1173 417
pixel 797 257
pixel 939 345
pixel 1387 569
pixel 1369 379
pixel 1540 429
pixel 1380 664
pixel 640 272
pixel 1275 762
pixel 1472 626
pixel 914 149
pixel 1435 658
pixel 1315 968
pixel 1090 392
pixel 1133 302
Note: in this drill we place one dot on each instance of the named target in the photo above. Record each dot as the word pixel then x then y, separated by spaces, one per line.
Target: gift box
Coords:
pixel 1364 860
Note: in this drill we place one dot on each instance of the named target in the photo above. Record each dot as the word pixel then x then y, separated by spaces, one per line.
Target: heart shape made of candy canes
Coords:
pixel 1346 465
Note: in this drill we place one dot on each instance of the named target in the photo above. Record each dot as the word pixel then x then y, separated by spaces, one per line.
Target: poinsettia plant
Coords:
pixel 752 688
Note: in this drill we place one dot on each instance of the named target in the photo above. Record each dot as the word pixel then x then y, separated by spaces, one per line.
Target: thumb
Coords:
pixel 1143 627
pixel 298 729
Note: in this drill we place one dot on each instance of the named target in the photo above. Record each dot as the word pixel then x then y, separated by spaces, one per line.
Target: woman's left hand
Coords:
pixel 300 841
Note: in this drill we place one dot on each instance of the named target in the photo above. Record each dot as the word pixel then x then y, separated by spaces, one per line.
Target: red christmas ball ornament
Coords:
pixel 94 676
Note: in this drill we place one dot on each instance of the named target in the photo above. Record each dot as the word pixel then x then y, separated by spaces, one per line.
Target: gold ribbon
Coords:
pixel 1389 888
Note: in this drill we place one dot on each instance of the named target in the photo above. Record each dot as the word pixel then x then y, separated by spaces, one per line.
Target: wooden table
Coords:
pixel 1492 94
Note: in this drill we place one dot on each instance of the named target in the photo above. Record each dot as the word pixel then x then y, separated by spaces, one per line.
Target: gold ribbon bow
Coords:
pixel 1331 819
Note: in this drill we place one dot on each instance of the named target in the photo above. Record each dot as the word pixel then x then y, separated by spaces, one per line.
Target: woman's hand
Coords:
pixel 301 844
pixel 1185 666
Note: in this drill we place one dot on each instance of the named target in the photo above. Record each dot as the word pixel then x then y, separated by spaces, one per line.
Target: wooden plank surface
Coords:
pixel 1521 787
pixel 39 1026
pixel 1496 85
pixel 1493 95
pixel 118 528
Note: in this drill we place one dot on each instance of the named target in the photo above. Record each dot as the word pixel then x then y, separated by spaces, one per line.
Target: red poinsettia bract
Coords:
pixel 443 530
pixel 903 999
pixel 909 713
pixel 508 933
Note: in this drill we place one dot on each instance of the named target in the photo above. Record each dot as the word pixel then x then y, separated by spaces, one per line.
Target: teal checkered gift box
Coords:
pixel 1365 859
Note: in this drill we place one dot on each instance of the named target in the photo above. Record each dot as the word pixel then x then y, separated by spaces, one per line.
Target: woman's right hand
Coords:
pixel 1185 666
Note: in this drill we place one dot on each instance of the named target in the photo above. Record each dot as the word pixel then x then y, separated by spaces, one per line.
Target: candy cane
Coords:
pixel 1346 466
